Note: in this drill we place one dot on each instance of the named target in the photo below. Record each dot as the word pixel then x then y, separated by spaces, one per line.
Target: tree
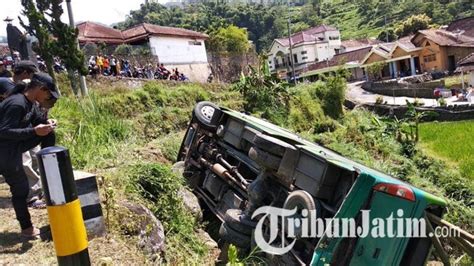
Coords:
pixel 412 25
pixel 374 70
pixel 231 39
pixel 55 38
pixel 387 35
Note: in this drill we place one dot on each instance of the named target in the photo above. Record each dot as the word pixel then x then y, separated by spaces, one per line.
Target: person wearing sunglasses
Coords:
pixel 23 127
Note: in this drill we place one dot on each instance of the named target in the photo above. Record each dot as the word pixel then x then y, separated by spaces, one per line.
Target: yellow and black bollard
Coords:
pixel 64 209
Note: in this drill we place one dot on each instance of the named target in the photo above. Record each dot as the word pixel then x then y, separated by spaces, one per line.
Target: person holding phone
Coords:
pixel 23 127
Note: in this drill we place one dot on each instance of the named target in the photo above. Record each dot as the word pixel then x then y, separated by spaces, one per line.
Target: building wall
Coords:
pixel 305 53
pixel 173 50
pixel 439 63
pixel 374 58
pixel 196 72
pixel 459 52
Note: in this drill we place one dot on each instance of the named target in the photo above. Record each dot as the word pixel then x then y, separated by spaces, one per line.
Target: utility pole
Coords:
pixel 82 79
pixel 291 49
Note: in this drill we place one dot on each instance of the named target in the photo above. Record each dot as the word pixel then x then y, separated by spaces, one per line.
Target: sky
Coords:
pixel 104 11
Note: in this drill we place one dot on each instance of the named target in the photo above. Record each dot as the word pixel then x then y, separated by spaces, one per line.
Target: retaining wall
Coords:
pixel 393 88
pixel 448 113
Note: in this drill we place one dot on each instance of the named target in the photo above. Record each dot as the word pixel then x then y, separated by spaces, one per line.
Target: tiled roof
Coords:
pixel 144 30
pixel 360 42
pixel 445 38
pixel 309 35
pixel 354 56
pixel 465 24
pixel 93 32
pixel 468 60
pixel 406 44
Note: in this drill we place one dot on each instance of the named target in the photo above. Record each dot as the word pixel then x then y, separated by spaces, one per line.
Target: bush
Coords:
pixel 332 94
pixel 157 184
pixel 379 99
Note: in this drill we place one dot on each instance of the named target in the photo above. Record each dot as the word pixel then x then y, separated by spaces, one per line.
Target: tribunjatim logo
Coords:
pixel 278 229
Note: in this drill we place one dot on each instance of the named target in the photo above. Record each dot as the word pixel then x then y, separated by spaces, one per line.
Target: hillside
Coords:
pixel 354 18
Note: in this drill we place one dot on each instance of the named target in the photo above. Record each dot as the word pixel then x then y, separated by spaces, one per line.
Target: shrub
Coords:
pixel 379 99
pixel 159 185
pixel 332 94
pixel 442 102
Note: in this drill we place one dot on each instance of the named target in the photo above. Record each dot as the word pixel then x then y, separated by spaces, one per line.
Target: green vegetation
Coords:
pixel 230 39
pixel 55 38
pixel 354 18
pixel 451 141
pixel 131 138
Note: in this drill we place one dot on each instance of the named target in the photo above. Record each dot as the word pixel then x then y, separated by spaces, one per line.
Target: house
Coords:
pixel 348 60
pixel 466 65
pixel 174 47
pixel 316 44
pixel 351 45
pixel 428 51
pixel 91 32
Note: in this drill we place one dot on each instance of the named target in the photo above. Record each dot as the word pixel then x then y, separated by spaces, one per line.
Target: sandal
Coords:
pixel 38 204
pixel 31 233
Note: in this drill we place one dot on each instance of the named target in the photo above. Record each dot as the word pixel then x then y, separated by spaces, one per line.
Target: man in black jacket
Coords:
pixel 23 70
pixel 22 127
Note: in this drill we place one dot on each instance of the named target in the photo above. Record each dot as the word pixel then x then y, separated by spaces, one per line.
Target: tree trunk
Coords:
pixel 73 80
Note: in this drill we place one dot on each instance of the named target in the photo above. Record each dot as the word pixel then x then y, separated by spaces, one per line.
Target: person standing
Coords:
pixel 21 129
pixel 113 65
pixel 23 70
pixel 4 73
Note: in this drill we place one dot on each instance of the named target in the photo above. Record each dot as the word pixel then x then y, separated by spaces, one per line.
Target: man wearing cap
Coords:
pixel 23 70
pixel 4 73
pixel 22 127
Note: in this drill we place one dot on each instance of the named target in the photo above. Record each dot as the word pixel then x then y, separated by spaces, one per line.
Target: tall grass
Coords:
pixel 89 130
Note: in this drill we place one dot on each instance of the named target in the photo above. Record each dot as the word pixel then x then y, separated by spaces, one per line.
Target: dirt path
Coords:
pixel 14 250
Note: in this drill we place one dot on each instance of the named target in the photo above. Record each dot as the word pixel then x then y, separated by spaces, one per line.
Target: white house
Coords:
pixel 309 46
pixel 174 47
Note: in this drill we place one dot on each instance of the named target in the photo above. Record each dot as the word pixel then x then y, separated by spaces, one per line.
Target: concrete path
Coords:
pixel 357 94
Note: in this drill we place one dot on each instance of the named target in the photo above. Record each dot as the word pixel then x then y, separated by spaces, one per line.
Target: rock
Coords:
pixel 144 224
pixel 178 168
pixel 211 244
pixel 191 203
pixel 105 261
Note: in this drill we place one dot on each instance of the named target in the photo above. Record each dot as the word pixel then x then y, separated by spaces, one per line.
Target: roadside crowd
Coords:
pixel 113 66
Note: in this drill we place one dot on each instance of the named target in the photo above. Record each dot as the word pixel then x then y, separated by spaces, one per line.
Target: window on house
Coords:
pixel 295 58
pixel 337 51
pixel 304 52
pixel 195 43
pixel 427 44
pixel 304 58
pixel 333 38
pixel 429 58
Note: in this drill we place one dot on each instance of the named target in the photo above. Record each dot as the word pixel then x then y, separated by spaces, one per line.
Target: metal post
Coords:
pixel 64 209
pixel 291 49
pixel 82 79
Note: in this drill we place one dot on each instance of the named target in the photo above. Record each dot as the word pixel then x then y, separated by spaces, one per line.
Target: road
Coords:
pixel 357 94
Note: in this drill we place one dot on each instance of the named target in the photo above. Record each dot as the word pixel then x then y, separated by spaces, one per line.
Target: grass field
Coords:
pixel 453 141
